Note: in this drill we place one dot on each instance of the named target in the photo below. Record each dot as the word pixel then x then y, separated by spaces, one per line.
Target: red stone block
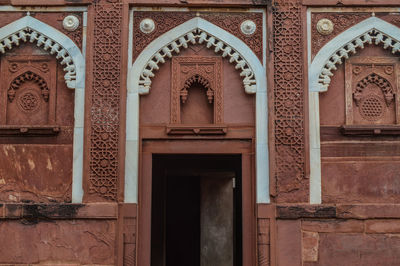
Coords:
pixel 77 242
pixel 359 249
pixel 98 210
pixel 310 246
pixel 382 226
pixel 368 211
pixel 288 243
pixel 333 226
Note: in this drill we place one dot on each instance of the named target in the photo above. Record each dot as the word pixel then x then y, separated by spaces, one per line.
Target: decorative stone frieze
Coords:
pixel 197 36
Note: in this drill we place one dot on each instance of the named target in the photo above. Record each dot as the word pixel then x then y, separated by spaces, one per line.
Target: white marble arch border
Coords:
pixel 314 69
pixel 79 62
pixel 132 110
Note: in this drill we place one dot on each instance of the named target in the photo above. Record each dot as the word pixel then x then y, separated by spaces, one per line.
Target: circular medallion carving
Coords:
pixel 325 26
pixel 29 101
pixel 372 107
pixel 147 25
pixel 389 70
pixel 248 27
pixel 70 23
pixel 357 70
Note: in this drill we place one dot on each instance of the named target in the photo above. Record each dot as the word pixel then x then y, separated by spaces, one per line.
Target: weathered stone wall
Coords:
pixel 69 196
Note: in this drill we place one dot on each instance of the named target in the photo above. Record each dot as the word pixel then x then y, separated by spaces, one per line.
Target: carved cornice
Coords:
pixel 48 44
pixel 197 36
pixel 373 36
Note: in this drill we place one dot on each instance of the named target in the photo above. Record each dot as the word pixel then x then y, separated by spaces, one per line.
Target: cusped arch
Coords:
pixel 195 31
pixel 373 78
pixel 29 29
pixel 197 78
pixel 28 76
pixel 252 71
pixel 370 31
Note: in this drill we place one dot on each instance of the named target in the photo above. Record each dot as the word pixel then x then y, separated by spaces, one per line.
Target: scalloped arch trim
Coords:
pixel 29 29
pixel 370 31
pixel 198 34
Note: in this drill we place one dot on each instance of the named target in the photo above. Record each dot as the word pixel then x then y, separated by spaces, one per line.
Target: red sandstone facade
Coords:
pixel 199 132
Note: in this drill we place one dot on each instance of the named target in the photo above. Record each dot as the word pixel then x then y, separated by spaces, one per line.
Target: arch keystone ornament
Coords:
pixel 370 31
pixel 196 31
pixel 29 29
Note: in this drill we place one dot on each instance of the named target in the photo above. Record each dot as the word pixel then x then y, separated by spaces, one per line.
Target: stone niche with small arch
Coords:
pixel 197 93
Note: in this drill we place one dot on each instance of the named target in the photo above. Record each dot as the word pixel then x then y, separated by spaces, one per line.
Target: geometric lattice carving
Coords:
pixel 206 71
pixel 291 184
pixel 371 88
pixel 104 131
pixel 28 76
pixel 372 36
pixel 47 44
pixel 372 107
pixel 197 36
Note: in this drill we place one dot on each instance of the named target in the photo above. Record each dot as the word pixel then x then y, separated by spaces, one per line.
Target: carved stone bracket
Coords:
pixel 372 36
pixel 197 36
pixel 47 44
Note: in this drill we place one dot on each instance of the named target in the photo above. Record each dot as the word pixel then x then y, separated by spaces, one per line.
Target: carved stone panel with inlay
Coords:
pixel 371 91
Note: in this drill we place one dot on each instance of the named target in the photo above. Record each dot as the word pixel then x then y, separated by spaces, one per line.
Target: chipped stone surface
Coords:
pixel 35 173
pixel 75 242
pixel 310 246
pixel 359 249
pixel 331 225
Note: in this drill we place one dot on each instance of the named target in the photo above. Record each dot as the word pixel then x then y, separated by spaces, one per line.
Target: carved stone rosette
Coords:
pixel 204 70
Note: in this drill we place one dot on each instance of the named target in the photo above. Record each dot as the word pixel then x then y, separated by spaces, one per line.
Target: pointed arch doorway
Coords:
pixel 193 95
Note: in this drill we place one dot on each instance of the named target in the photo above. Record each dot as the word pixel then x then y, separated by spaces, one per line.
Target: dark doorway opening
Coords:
pixel 196 216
